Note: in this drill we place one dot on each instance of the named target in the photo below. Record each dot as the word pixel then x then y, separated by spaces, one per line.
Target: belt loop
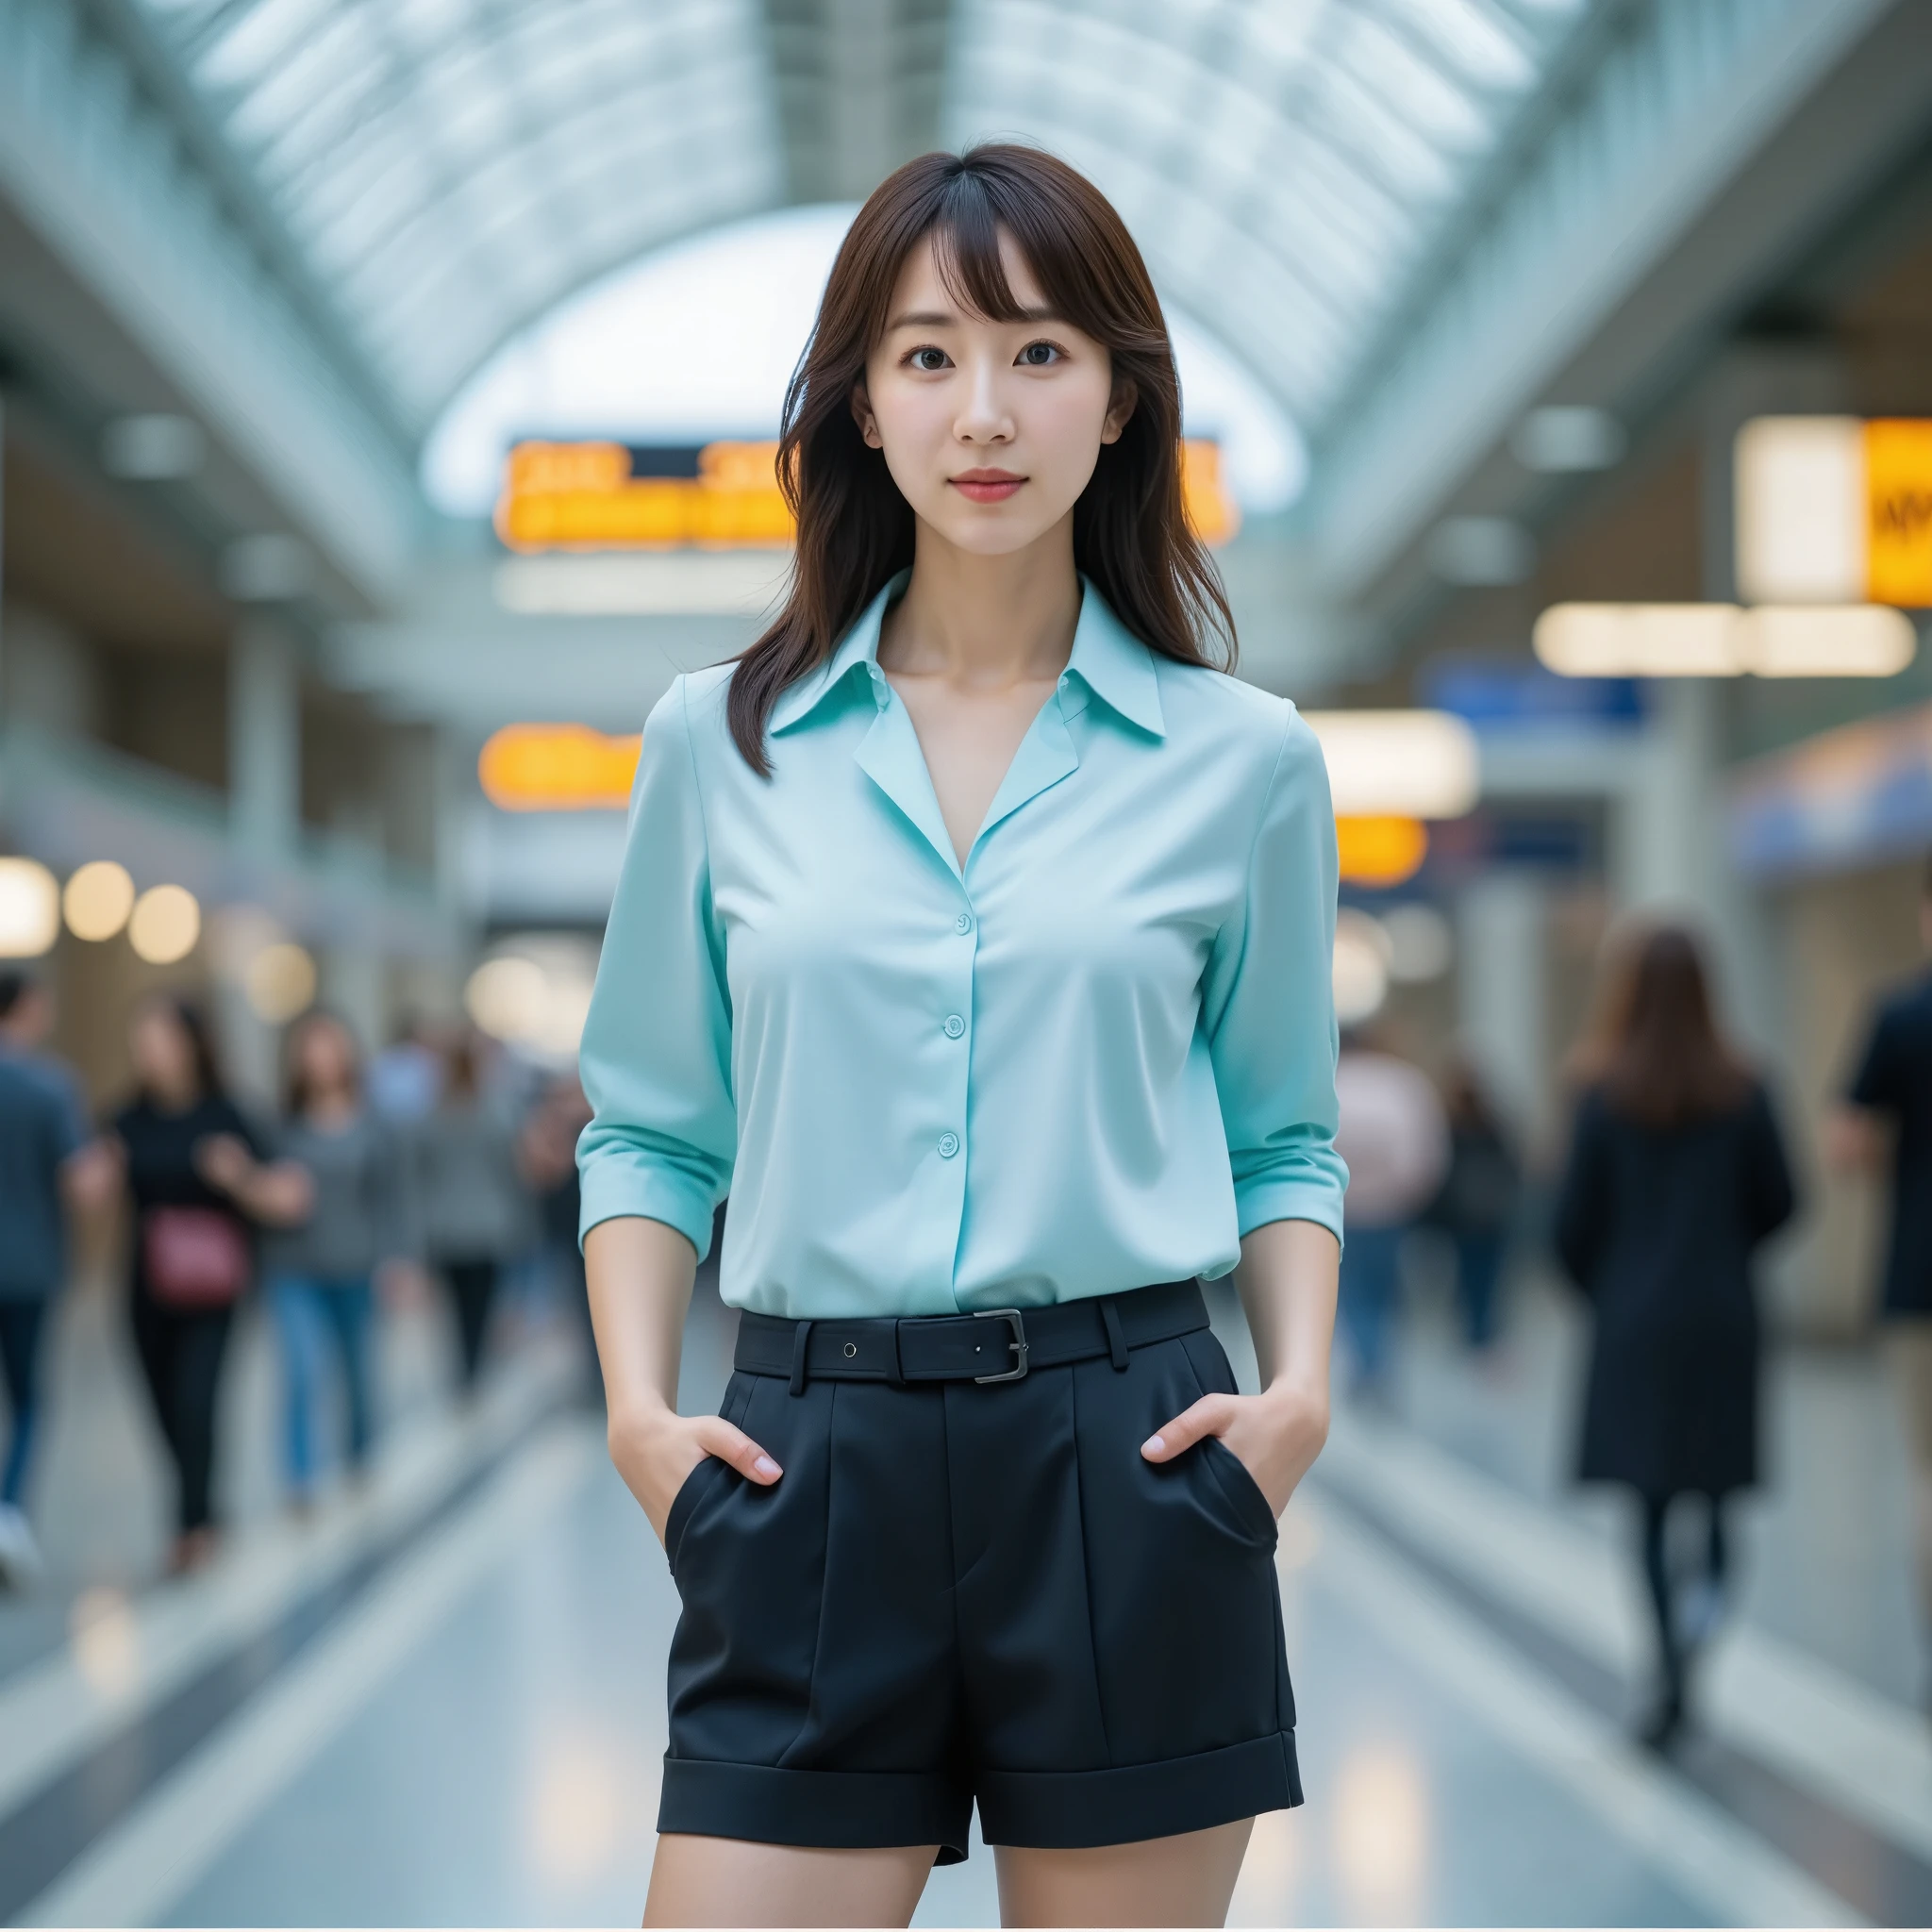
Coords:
pixel 1115 1341
pixel 800 1336
pixel 898 1368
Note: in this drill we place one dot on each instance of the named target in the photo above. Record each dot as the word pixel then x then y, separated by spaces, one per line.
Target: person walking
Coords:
pixel 1676 1176
pixel 1476 1204
pixel 975 931
pixel 1885 1125
pixel 201 1183
pixel 50 1166
pixel 548 1148
pixel 471 1198
pixel 320 1272
pixel 1395 1141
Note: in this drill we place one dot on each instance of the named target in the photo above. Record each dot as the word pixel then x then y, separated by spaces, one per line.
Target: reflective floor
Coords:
pixel 441 1701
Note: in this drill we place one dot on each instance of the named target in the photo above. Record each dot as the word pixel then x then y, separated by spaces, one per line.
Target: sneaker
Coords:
pixel 21 1566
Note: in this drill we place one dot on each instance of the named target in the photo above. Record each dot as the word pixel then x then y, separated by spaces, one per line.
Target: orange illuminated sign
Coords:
pixel 558 768
pixel 1380 851
pixel 1898 491
pixel 720 496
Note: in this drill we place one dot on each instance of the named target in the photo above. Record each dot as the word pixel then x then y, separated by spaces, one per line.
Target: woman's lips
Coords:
pixel 987 486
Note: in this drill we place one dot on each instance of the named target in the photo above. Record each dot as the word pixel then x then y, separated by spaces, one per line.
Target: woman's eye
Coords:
pixel 928 359
pixel 1038 356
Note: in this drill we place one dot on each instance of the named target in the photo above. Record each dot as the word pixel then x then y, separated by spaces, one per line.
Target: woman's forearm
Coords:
pixel 1287 1281
pixel 640 1275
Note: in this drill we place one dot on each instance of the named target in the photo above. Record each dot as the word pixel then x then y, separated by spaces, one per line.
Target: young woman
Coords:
pixel 201 1185
pixel 974 932
pixel 471 1197
pixel 1676 1175
pixel 321 1275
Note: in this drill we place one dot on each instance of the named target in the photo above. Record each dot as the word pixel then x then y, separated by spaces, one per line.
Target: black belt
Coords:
pixel 988 1345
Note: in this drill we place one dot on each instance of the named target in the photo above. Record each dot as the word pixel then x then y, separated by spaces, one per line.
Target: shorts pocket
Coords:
pixel 691 1492
pixel 1244 1494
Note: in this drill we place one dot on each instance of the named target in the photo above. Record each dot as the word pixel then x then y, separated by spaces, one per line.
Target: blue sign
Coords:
pixel 1507 694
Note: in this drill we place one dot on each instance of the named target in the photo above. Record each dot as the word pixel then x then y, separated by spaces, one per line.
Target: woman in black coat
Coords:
pixel 1676 1175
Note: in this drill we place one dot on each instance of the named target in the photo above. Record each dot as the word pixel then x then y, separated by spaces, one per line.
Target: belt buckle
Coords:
pixel 1018 1344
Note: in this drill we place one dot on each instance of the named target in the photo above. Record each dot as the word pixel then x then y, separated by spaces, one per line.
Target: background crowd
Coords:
pixel 446 1165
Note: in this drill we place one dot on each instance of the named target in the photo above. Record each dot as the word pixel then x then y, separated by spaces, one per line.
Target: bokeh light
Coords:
pixel 164 925
pixel 98 899
pixel 1361 967
pixel 29 909
pixel 280 982
pixel 1381 1836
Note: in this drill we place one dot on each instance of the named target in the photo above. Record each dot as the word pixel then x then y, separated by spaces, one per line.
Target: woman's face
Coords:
pixel 991 429
pixel 324 1056
pixel 162 1052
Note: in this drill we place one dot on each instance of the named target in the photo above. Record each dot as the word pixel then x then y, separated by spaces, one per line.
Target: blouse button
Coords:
pixel 955 1025
pixel 949 1146
pixel 963 924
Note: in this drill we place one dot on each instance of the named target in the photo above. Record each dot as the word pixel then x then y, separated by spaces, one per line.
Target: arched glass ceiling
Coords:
pixel 1286 164
pixel 453 168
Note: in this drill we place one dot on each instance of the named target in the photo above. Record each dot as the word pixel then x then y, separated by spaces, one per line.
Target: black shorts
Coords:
pixel 962 1592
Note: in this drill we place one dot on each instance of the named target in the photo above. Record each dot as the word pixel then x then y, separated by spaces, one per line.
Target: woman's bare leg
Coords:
pixel 727 1881
pixel 1186 1880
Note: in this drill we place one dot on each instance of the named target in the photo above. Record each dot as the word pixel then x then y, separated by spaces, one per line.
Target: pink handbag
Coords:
pixel 193 1258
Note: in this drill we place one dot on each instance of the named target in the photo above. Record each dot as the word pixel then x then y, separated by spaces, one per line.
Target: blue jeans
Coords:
pixel 1370 1280
pixel 316 1317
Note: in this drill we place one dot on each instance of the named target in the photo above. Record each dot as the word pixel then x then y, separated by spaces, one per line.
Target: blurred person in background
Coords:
pixel 469 1194
pixel 1676 1176
pixel 1885 1121
pixel 50 1164
pixel 320 1272
pixel 405 1080
pixel 1395 1141
pixel 1476 1204
pixel 202 1181
pixel 548 1150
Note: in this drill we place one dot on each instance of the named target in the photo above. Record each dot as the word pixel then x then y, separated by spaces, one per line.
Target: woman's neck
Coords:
pixel 986 622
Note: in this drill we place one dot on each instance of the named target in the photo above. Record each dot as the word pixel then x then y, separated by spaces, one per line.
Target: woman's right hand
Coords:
pixel 656 1449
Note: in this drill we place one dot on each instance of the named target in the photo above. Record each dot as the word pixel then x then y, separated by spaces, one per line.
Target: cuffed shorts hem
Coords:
pixel 1068 1811
pixel 1045 1810
pixel 839 1810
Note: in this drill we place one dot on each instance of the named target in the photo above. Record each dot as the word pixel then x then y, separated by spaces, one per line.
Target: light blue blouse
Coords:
pixel 1093 1057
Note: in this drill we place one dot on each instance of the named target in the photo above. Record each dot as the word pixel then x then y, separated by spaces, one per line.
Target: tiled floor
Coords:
pixel 454 1713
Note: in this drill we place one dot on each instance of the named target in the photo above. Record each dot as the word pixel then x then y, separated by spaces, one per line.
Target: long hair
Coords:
pixel 201 1042
pixel 299 1091
pixel 1669 1066
pixel 1131 534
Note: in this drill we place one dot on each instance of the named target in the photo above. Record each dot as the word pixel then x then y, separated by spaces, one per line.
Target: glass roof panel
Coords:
pixel 1283 162
pixel 453 167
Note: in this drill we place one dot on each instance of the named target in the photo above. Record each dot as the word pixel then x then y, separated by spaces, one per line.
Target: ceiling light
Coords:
pixel 1478 552
pixel 280 982
pixel 698 583
pixel 1825 641
pixel 1641 639
pixel 1409 764
pixel 1563 436
pixel 98 899
pixel 29 909
pixel 152 449
pixel 164 925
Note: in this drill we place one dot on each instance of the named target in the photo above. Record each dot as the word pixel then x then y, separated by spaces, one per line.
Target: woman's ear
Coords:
pixel 862 415
pixel 1124 397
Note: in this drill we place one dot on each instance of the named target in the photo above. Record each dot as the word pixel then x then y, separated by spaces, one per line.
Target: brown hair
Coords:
pixel 1131 534
pixel 1668 1065
pixel 297 1091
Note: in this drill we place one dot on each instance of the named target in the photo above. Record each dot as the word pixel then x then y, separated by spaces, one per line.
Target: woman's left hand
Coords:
pixel 1276 1435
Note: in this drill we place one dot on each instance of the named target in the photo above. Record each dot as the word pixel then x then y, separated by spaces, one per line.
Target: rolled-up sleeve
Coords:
pixel 656 1047
pixel 1269 1006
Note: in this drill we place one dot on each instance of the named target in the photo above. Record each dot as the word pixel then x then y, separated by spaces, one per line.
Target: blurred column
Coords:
pixel 264 741
pixel 1502 990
